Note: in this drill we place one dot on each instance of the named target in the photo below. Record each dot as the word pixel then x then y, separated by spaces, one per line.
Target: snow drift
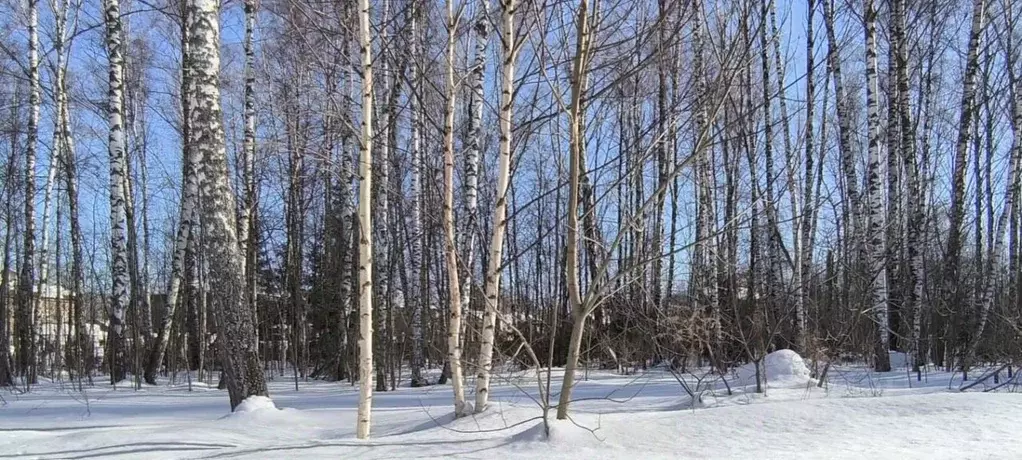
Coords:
pixel 781 369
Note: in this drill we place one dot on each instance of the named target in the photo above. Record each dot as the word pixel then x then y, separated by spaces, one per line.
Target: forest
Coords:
pixel 435 194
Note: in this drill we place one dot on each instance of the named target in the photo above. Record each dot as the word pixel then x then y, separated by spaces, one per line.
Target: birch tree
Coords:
pixel 990 273
pixel 915 204
pixel 381 207
pixel 365 244
pixel 877 274
pixel 25 299
pixel 451 246
pixel 806 222
pixel 469 224
pixel 509 53
pixel 416 262
pixel 118 170
pixel 187 209
pixel 580 66
pixel 246 218
pixel 951 295
pixel 242 369
pixel 851 181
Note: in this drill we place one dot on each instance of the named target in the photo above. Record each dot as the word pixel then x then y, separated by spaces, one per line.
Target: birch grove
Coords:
pixel 478 193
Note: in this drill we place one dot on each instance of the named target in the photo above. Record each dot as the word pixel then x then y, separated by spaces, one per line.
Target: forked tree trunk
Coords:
pixel 806 222
pixel 579 315
pixel 1011 194
pixel 951 294
pixel 66 157
pixel 188 213
pixel 848 161
pixel 509 52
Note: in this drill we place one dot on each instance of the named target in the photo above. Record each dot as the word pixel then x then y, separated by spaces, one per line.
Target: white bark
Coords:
pixel 844 127
pixel 188 216
pixel 807 221
pixel 469 224
pixel 246 218
pixel 451 247
pixel 236 323
pixel 1011 195
pixel 492 283
pixel 365 244
pixel 382 245
pixel 915 204
pixel 415 189
pixel 877 273
pixel 951 293
pixel 25 298
pixel 118 210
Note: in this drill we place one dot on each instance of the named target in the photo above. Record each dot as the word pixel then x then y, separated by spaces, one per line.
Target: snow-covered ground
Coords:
pixel 858 415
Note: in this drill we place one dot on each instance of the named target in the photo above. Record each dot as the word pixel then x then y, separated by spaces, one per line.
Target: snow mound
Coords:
pixel 782 368
pixel 255 403
pixel 563 434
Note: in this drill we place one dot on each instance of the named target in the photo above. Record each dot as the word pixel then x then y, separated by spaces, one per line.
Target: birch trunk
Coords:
pixel 235 322
pixel 6 371
pixel 346 208
pixel 187 211
pixel 415 189
pixel 509 51
pixel 877 274
pixel 25 297
pixel 707 240
pixel 806 221
pixel 365 245
pixel 895 225
pixel 118 211
pixel 66 158
pixel 383 242
pixel 1011 195
pixel 772 275
pixel 915 205
pixel 844 126
pixel 451 248
pixel 469 225
pixel 951 295
pixel 246 219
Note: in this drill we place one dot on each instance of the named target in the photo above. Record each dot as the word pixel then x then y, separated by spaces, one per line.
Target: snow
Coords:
pixel 255 403
pixel 857 413
pixel 782 369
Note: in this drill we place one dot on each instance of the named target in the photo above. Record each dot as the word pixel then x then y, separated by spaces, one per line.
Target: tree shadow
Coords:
pixel 124 449
pixel 266 451
pixel 58 428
